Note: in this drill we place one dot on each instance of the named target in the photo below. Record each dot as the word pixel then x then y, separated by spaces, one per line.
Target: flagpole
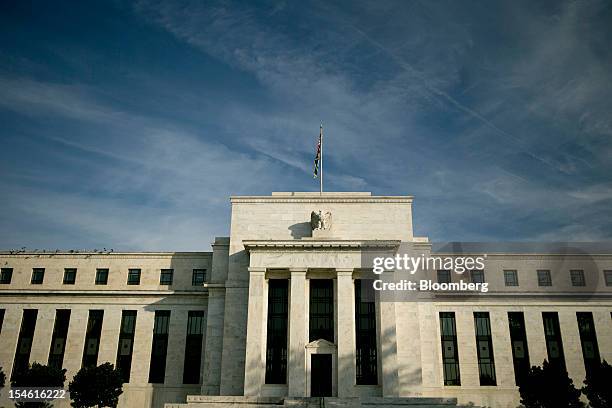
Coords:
pixel 321 178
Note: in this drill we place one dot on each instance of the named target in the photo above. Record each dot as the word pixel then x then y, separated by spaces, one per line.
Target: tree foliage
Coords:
pixel 38 375
pixel 549 386
pixel 598 386
pixel 98 386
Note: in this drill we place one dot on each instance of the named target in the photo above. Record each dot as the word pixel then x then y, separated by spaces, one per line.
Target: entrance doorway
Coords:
pixel 321 375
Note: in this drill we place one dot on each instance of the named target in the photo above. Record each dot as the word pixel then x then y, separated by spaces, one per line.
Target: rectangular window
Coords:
pixel 38 275
pixel 365 322
pixel 6 274
pixel 92 338
pixel 69 276
pixel 477 276
pixel 321 310
pixel 24 342
pixel 511 278
pixel 2 311
pixel 554 344
pixel 193 347
pixel 133 277
pixel 58 339
pixel 165 277
pixel 157 368
pixel 125 348
pixel 588 340
pixel 199 277
pixel 577 276
pixel 520 351
pixel 101 276
pixel 544 278
pixel 607 278
pixel 276 343
pixel 444 276
pixel 484 347
pixel 450 353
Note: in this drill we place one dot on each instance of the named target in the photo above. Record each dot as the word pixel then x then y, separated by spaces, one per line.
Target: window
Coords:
pixel 126 344
pixel 193 347
pixel 199 277
pixel 24 341
pixel 2 311
pixel 484 348
pixel 450 353
pixel 165 278
pixel 518 340
pixel 38 275
pixel 511 278
pixel 588 340
pixel 159 350
pixel 477 276
pixel 133 277
pixel 6 274
pixel 92 338
pixel 58 339
pixel 365 329
pixel 444 276
pixel 554 344
pixel 276 344
pixel 321 310
pixel 577 276
pixel 607 277
pixel 101 276
pixel 544 278
pixel 69 276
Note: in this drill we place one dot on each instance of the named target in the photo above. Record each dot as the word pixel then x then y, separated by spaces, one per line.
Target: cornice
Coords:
pixel 251 245
pixel 322 199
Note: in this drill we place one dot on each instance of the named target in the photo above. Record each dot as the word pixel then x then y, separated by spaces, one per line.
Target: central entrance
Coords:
pixel 321 375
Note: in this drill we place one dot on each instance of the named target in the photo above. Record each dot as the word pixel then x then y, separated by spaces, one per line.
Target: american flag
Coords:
pixel 318 155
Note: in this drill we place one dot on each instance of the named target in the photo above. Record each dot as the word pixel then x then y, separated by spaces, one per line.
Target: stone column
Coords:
pixel 298 321
pixel 255 364
pixel 346 333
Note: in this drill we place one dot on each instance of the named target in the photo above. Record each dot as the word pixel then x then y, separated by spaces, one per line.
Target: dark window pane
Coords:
pixel 365 330
pixel 484 347
pixel 157 368
pixel 554 344
pixel 199 277
pixel 58 339
pixel 588 340
pixel 321 309
pixel 92 338
pixel 544 278
pixel 38 275
pixel 165 277
pixel 608 278
pixel 70 276
pixel 276 342
pixel 518 340
pixel 477 276
pixel 133 277
pixel 450 353
pixel 511 278
pixel 444 276
pixel 193 347
pixel 24 341
pixel 101 276
pixel 6 274
pixel 577 276
pixel 125 348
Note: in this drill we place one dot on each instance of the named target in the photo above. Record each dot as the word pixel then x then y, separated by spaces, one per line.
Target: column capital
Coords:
pixel 256 270
pixel 344 272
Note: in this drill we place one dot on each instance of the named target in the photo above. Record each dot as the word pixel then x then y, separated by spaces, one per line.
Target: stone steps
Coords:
pixel 201 401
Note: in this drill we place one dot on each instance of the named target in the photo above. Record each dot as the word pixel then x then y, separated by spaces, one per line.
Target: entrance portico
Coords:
pixel 302 262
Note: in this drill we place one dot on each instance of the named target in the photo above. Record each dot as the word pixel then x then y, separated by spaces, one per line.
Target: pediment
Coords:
pixel 321 344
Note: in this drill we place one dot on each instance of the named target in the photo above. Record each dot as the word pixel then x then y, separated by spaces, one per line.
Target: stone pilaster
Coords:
pixel 255 367
pixel 42 334
pixel 388 346
pixel 297 334
pixel 346 333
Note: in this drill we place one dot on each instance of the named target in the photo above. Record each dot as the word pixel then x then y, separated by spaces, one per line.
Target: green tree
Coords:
pixel 598 386
pixel 549 387
pixel 38 375
pixel 98 386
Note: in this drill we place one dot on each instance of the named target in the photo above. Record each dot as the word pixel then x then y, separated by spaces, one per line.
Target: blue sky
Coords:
pixel 128 125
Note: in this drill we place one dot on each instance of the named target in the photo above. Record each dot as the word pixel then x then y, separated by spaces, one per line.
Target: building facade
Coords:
pixel 283 308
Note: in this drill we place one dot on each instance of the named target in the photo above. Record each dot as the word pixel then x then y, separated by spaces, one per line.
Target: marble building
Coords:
pixel 280 310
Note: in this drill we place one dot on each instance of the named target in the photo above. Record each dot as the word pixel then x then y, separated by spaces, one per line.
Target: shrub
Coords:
pixel 549 387
pixel 38 375
pixel 98 386
pixel 598 386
